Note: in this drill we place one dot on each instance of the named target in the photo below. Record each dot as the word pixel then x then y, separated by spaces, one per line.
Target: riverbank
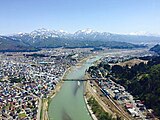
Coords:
pixel 93 100
pixel 90 109
pixel 86 97
pixel 90 93
pixel 46 101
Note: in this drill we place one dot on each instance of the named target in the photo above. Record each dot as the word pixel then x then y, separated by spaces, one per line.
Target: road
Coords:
pixel 118 108
pixel 137 109
pixel 132 101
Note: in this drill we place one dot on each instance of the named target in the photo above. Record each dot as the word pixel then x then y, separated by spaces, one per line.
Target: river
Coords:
pixel 69 103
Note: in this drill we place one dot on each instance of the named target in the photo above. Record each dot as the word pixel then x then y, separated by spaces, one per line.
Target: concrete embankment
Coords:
pixel 90 109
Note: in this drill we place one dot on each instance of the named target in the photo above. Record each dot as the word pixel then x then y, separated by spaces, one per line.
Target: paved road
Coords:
pixel 133 102
pixel 137 109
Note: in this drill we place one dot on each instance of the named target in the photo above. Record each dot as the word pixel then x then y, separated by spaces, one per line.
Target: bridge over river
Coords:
pixel 91 79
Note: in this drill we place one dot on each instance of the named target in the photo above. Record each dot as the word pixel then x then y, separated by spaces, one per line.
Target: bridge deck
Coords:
pixel 84 79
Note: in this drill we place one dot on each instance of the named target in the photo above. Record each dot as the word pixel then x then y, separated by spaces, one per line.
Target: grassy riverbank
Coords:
pixel 98 110
pixel 96 107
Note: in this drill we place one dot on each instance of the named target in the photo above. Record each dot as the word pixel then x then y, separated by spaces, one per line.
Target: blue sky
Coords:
pixel 116 16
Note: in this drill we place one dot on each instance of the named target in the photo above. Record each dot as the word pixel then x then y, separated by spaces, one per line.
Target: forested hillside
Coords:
pixel 156 48
pixel 143 81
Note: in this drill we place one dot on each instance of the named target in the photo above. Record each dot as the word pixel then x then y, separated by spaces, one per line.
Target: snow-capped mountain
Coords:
pixel 39 35
pixel 45 36
pixel 85 32
pixel 45 33
pixel 91 34
pixel 42 34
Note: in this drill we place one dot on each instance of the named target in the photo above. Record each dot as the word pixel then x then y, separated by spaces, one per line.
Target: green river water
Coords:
pixel 69 103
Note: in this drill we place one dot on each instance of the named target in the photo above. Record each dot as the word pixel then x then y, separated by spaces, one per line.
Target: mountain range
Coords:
pixel 44 38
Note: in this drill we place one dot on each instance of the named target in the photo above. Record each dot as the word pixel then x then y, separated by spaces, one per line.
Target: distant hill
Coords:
pixel 24 44
pixel 10 45
pixel 156 48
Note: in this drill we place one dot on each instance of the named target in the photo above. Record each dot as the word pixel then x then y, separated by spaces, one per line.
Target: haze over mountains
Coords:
pixel 43 38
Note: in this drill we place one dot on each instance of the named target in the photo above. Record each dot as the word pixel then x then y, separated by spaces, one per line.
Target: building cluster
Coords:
pixel 16 104
pixel 135 107
pixel 27 77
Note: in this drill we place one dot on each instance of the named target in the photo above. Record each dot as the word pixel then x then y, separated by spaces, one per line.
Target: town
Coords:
pixel 26 78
